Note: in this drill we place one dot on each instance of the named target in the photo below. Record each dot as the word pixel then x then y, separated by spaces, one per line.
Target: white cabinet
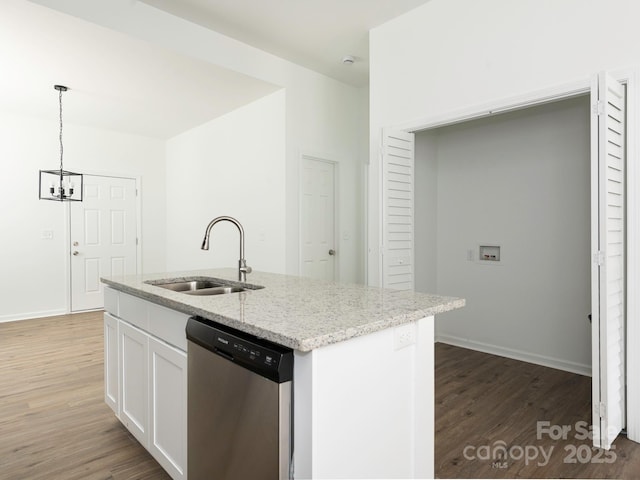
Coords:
pixel 145 374
pixel 134 378
pixel 111 364
pixel 168 406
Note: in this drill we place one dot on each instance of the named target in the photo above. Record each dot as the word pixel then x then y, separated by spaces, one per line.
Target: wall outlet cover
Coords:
pixel 404 335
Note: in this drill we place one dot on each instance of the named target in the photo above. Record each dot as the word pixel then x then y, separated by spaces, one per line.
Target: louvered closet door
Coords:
pixel 398 210
pixel 608 272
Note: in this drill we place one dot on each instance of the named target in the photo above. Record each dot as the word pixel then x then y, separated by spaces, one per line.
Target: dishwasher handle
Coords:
pixel 224 354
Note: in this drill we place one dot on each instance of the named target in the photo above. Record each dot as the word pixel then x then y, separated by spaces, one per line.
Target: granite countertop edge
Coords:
pixel 300 342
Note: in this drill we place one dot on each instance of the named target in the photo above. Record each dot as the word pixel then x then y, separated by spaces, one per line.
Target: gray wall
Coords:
pixel 426 201
pixel 520 180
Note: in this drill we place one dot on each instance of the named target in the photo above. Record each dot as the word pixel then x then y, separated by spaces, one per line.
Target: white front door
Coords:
pixel 317 219
pixel 103 237
pixel 608 268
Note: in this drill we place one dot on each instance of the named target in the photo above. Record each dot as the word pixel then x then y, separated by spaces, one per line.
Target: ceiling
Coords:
pixel 116 82
pixel 122 83
pixel 316 34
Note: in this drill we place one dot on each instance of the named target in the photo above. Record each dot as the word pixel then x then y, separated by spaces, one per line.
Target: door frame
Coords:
pixel 630 77
pixel 67 230
pixel 336 211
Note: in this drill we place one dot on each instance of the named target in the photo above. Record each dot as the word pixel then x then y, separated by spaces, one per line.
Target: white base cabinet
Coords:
pixel 134 378
pixel 364 407
pixel 111 364
pixel 168 407
pixel 145 374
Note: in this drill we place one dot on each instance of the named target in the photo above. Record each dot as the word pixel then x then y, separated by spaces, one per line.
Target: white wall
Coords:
pixel 322 115
pixel 33 280
pixel 234 165
pixel 449 55
pixel 521 180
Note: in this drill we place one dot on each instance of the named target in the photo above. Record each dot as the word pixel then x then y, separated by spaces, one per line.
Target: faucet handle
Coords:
pixel 243 269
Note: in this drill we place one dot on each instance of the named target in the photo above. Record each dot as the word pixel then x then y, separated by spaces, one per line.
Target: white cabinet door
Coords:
pixel 134 375
pixel 168 407
pixel 111 370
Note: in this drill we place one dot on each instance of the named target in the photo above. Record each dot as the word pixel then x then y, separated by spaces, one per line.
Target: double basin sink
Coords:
pixel 203 286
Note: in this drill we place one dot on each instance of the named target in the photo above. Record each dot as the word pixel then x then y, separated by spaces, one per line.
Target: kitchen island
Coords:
pixel 363 366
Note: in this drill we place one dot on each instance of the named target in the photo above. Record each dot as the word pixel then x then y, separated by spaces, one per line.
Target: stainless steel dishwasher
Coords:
pixel 239 405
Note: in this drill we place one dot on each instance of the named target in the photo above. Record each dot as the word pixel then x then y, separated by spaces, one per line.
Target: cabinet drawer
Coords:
pixel 111 301
pixel 134 310
pixel 168 325
pixel 164 323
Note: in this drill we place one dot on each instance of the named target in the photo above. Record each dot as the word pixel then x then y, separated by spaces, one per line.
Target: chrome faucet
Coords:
pixel 243 269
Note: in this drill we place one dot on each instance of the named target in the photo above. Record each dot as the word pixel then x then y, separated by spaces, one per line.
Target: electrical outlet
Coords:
pixel 404 335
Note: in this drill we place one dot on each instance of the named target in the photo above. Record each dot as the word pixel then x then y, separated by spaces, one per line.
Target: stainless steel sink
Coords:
pixel 191 286
pixel 203 286
pixel 216 290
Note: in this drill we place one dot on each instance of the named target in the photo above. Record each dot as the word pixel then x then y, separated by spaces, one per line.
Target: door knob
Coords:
pixel 332 252
pixel 76 253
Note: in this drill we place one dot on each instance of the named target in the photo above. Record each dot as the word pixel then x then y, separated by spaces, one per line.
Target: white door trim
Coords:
pixel 517 102
pixel 336 210
pixel 633 258
pixel 67 229
pixel 630 77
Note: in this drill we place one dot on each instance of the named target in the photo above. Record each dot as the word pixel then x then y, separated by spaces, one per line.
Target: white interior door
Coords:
pixel 398 182
pixel 103 237
pixel 317 219
pixel 608 270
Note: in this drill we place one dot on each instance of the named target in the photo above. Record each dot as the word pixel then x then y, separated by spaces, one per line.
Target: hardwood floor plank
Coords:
pixel 484 402
pixel 54 423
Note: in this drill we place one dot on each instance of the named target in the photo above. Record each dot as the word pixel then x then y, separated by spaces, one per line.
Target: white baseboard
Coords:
pixel 30 315
pixel 551 362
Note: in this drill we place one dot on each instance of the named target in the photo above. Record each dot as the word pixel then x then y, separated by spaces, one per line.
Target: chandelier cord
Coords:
pixel 61 147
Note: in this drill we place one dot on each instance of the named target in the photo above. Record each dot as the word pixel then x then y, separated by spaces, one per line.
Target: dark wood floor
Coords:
pixel 485 402
pixel 54 423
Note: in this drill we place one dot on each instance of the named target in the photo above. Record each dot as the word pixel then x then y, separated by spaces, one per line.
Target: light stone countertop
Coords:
pixel 296 312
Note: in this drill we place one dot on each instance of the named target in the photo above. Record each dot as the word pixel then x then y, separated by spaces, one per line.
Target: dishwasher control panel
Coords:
pixel 270 360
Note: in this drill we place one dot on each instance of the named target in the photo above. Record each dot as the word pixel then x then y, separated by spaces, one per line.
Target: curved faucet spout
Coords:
pixel 243 269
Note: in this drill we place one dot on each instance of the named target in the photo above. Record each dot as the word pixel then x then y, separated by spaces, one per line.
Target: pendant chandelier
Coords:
pixel 60 185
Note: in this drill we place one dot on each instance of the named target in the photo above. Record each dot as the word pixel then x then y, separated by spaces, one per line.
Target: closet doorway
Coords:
pixel 614 233
pixel 518 182
pixel 606 258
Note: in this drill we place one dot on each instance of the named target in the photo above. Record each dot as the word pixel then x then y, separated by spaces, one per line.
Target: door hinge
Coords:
pixel 598 258
pixel 598 107
pixel 601 410
pixel 136 241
